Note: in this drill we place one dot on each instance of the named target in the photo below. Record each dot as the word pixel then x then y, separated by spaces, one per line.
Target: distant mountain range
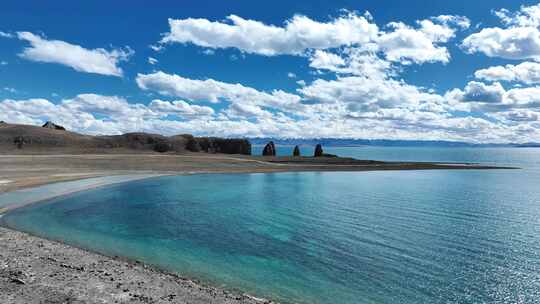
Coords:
pixel 337 142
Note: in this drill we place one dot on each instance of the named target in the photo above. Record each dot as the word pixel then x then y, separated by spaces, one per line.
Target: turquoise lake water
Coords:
pixel 334 237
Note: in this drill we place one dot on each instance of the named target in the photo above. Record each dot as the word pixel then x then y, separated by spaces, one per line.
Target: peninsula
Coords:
pixel 37 155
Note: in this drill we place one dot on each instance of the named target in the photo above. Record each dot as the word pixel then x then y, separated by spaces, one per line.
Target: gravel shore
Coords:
pixel 34 270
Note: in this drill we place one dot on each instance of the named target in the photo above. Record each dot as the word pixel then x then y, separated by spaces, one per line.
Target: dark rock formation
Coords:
pixel 296 151
pixel 219 145
pixel 51 125
pixel 162 147
pixel 230 145
pixel 318 151
pixel 19 141
pixel 146 141
pixel 179 142
pixel 203 144
pixel 138 141
pixel 269 149
pixel 192 144
pixel 2 122
pixel 47 137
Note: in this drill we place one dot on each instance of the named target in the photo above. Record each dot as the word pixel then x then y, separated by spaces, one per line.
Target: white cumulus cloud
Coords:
pixel 479 92
pixel 526 72
pixel 214 91
pixel 298 34
pixel 179 107
pixel 493 98
pixel 406 44
pixel 363 94
pixel 326 61
pixel 98 114
pixel 509 43
pixel 301 35
pixel 461 21
pixel 518 39
pixel 527 16
pixel 353 61
pixel 98 61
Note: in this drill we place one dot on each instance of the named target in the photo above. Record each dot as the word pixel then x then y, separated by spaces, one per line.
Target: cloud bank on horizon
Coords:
pixel 357 85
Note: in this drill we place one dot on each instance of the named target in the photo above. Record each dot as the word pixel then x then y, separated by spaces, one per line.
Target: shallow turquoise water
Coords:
pixel 368 237
pixel 27 196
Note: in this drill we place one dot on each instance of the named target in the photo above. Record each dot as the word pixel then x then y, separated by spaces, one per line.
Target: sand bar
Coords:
pixel 23 197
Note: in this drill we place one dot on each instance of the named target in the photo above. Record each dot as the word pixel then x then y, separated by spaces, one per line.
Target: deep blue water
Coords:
pixel 368 237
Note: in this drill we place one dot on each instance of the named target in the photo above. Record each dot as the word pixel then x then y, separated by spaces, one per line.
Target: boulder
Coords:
pixel 51 125
pixel 318 151
pixel 296 151
pixel 269 149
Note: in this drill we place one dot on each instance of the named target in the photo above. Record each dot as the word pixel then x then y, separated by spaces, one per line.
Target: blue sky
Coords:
pixel 460 70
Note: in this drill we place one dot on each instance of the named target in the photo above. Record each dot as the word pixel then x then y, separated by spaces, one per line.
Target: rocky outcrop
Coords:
pixel 231 145
pixel 269 149
pixel 51 125
pixel 296 151
pixel 162 147
pixel 318 151
pixel 144 141
pixel 192 144
pixel 218 145
pixel 19 142
pixel 13 136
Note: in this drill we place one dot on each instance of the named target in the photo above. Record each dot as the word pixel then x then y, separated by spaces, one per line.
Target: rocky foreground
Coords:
pixel 33 270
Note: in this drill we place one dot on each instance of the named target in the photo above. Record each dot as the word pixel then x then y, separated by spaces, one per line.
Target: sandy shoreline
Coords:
pixel 33 270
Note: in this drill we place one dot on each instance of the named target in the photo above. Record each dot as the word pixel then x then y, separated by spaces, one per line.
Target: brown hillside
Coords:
pixel 15 138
